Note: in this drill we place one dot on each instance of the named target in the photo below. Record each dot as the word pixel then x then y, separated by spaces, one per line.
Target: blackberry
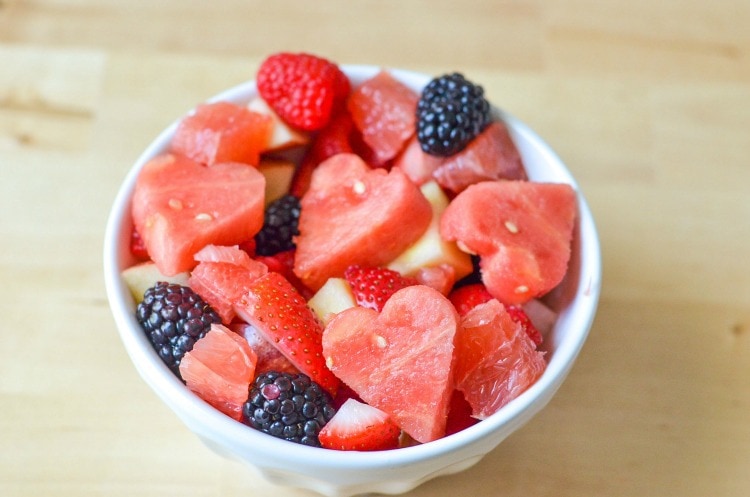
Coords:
pixel 279 226
pixel 288 406
pixel 174 317
pixel 451 112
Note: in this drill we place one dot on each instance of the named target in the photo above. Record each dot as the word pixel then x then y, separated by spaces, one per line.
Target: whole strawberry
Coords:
pixel 373 286
pixel 302 89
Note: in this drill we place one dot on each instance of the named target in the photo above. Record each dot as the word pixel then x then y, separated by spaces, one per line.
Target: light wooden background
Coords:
pixel 648 102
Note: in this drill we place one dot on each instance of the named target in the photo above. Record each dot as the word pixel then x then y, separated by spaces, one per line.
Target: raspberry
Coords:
pixel 303 89
pixel 279 226
pixel 451 112
pixel 288 406
pixel 174 317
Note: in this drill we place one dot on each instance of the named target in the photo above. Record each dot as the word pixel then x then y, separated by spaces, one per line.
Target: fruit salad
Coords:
pixel 348 266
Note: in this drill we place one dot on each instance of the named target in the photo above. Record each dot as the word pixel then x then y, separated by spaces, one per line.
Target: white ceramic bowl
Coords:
pixel 343 474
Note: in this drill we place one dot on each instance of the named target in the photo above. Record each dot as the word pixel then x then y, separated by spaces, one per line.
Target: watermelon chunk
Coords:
pixel 180 206
pixel 399 360
pixel 521 230
pixel 490 156
pixel 223 132
pixel 384 110
pixel 496 360
pixel 353 214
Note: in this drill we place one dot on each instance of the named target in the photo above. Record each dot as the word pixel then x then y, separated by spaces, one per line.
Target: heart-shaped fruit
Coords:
pixel 521 230
pixel 353 214
pixel 399 360
pixel 180 206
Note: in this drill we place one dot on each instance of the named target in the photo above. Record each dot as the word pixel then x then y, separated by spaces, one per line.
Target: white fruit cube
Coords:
pixel 278 174
pixel 283 135
pixel 141 277
pixel 431 250
pixel 333 297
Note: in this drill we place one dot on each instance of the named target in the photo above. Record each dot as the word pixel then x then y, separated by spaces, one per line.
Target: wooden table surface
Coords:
pixel 648 102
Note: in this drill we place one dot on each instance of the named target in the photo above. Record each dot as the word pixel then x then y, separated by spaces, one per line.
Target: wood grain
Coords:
pixel 647 102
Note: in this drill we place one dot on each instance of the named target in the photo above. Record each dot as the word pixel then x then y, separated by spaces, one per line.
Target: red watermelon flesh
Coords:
pixel 521 230
pixel 180 206
pixel 219 370
pixel 222 276
pixel 496 361
pixel 384 110
pixel 353 214
pixel 399 360
pixel 491 155
pixel 223 132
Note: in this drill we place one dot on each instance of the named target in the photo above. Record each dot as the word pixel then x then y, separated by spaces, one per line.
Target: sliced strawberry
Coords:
pixel 373 286
pixel 519 316
pixel 467 297
pixel 358 426
pixel 283 263
pixel 281 315
pixel 302 89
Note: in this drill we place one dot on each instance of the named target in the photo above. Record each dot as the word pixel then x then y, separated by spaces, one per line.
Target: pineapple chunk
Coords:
pixel 143 276
pixel 283 136
pixel 431 250
pixel 278 174
pixel 333 297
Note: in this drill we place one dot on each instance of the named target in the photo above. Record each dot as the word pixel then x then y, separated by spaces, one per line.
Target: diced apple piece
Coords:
pixel 143 276
pixel 278 174
pixel 431 250
pixel 283 136
pixel 333 297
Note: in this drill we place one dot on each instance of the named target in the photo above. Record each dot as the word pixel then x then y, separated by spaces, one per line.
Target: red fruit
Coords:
pixel 302 89
pixel 384 110
pixel 399 360
pixel 519 316
pixel 219 370
pixel 283 263
pixel 524 250
pixel 137 247
pixel 459 414
pixel 468 297
pixel 496 360
pixel 222 277
pixel 223 132
pixel 492 155
pixel 269 357
pixel 331 140
pixel 358 426
pixel 416 163
pixel 373 286
pixel 281 315
pixel 177 211
pixel 353 214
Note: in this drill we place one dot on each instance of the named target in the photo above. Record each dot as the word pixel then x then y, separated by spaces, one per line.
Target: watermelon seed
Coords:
pixel 511 226
pixel 359 187
pixel 175 204
pixel 462 246
pixel 203 217
pixel 381 342
pixel 522 289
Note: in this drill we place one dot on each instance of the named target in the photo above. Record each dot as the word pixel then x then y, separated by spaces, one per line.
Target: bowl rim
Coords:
pixel 215 424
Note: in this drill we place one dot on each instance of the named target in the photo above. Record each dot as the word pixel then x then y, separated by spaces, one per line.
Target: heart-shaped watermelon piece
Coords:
pixel 399 360
pixel 352 214
pixel 180 206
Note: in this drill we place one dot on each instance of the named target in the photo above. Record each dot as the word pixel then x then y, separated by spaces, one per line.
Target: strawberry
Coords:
pixel 519 316
pixel 281 315
pixel 331 140
pixel 283 263
pixel 467 297
pixel 359 426
pixel 303 89
pixel 459 414
pixel 373 286
pixel 137 246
